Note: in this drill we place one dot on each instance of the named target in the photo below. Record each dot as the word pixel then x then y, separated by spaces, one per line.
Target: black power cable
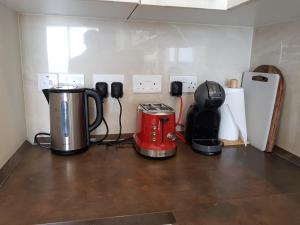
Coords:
pixel 118 140
pixel 98 142
pixel 107 130
pixel 120 120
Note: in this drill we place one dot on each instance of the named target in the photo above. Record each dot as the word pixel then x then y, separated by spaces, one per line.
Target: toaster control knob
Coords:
pixel 154 127
pixel 171 137
pixel 153 134
pixel 154 139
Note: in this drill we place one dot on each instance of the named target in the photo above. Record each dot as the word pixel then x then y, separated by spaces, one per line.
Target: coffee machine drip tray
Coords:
pixel 207 146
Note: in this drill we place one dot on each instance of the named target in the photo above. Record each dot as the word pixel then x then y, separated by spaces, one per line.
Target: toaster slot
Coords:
pixel 163 120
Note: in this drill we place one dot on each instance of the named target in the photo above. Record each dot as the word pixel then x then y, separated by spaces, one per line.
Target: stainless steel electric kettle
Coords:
pixel 69 118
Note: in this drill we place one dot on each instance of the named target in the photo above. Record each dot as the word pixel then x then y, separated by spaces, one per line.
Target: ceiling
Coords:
pixel 254 13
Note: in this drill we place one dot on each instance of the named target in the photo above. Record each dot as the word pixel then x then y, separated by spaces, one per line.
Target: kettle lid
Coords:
pixel 66 89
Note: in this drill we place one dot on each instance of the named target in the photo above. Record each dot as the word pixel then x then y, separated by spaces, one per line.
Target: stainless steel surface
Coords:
pixel 156 153
pixel 171 136
pixel 68 121
pixel 156 109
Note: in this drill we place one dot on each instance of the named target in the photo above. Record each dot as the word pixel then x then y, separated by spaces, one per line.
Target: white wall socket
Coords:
pixel 47 80
pixel 69 79
pixel 146 83
pixel 108 78
pixel 189 83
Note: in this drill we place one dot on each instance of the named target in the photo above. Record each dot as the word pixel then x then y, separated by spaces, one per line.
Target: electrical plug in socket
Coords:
pixel 108 78
pixel 102 89
pixel 189 83
pixel 176 88
pixel 117 90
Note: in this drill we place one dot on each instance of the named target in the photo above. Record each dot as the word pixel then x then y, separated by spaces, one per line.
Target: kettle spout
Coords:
pixel 46 93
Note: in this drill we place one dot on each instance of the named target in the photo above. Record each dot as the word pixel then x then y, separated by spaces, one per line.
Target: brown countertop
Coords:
pixel 240 186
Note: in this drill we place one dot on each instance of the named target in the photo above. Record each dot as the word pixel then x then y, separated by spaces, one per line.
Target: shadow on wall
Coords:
pixel 87 50
pixel 78 50
pixel 100 55
pixel 91 50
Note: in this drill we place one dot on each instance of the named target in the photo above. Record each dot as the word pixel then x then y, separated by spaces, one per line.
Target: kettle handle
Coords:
pixel 99 108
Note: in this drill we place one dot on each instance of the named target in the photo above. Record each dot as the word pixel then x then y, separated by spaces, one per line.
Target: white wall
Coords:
pixel 209 52
pixel 12 119
pixel 279 45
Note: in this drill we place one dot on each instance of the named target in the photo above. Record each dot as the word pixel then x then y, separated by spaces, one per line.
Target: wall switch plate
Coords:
pixel 47 80
pixel 146 83
pixel 189 83
pixel 69 79
pixel 108 78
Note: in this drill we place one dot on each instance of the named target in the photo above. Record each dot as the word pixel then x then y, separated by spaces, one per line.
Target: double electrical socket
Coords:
pixel 71 79
pixel 108 78
pixel 189 83
pixel 152 83
pixel 50 80
pixel 141 83
pixel 146 83
pixel 47 80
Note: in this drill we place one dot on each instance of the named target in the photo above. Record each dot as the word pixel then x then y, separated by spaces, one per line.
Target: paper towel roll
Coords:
pixel 233 117
pixel 228 129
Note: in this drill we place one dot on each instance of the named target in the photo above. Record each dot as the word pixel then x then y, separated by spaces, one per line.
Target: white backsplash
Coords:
pixel 53 44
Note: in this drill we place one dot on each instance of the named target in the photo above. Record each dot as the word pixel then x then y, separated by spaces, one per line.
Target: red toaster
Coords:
pixel 155 136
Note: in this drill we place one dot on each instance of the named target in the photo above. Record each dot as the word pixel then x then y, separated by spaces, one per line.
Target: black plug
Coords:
pixel 102 89
pixel 176 88
pixel 116 90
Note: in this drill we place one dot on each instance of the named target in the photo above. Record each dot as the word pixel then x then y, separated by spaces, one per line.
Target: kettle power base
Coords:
pixel 207 146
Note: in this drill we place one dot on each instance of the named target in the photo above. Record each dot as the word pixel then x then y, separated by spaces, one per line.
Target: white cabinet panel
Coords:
pixel 252 13
pixel 234 3
pixel 87 8
pixel 205 4
pixel 229 12
pixel 127 1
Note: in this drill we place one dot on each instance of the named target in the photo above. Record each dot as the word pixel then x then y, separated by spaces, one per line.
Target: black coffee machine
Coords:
pixel 203 119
